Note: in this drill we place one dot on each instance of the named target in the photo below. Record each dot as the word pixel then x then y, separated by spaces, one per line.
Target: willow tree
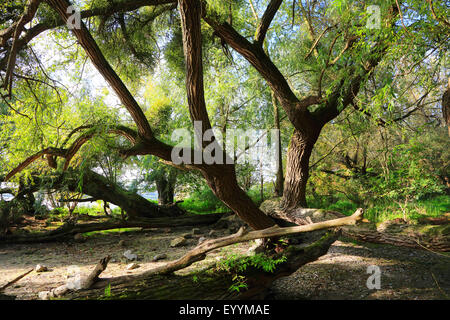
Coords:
pixel 337 49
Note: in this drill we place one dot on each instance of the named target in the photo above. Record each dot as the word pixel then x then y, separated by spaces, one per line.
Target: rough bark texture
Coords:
pixel 225 187
pixel 446 106
pixel 221 178
pixel 297 169
pixel 279 181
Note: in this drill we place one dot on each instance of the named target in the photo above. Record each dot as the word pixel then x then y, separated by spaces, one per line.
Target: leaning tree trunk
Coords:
pixel 225 187
pixel 297 169
pixel 135 205
pixel 100 188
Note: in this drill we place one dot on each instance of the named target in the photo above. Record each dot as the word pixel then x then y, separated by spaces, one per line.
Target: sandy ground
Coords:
pixel 405 274
pixel 341 274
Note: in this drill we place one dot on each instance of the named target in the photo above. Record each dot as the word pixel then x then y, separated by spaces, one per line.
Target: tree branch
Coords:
pixel 91 48
pixel 190 13
pixel 256 56
pixel 16 29
pixel 266 20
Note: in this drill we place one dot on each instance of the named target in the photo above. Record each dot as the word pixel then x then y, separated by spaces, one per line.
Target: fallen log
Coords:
pixel 403 235
pixel 85 283
pixel 69 229
pixel 15 280
pixel 210 284
pixel 438 243
pixel 257 282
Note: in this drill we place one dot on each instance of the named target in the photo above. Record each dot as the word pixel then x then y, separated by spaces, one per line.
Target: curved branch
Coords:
pixel 76 145
pixel 48 151
pixel 70 152
pixel 266 20
pixel 91 48
pixel 16 29
pixel 256 56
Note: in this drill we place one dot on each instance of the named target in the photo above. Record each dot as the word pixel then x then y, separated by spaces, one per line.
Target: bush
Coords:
pixel 203 201
pixel 343 206
pixel 12 211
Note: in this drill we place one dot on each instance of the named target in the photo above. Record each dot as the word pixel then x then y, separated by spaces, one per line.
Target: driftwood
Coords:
pixel 366 232
pixel 296 257
pixel 15 280
pixel 83 284
pixel 441 244
pixel 69 229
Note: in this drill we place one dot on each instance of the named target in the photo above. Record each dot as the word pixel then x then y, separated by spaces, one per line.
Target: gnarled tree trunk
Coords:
pixel 297 168
pixel 225 187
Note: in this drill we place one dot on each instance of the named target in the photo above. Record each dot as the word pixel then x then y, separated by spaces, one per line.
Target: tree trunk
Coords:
pixel 446 106
pixel 100 188
pixel 226 188
pixel 162 189
pixel 166 188
pixel 297 169
pixel 279 177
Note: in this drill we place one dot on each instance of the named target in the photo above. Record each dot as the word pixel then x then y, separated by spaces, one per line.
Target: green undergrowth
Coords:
pixel 380 211
pixel 236 264
pixel 110 231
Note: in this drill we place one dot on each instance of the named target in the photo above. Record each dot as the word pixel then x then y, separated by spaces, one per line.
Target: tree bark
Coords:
pixel 297 168
pixel 165 186
pixel 279 182
pixel 225 187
